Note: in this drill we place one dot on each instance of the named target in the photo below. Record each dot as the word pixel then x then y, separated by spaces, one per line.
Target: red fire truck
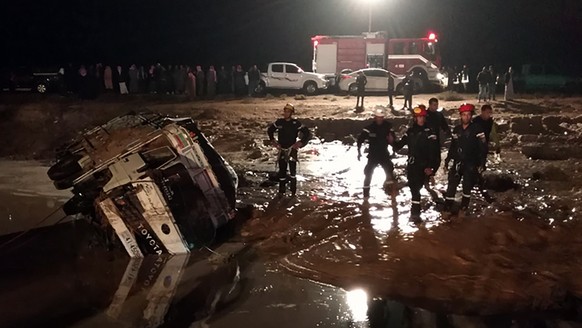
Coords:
pixel 334 54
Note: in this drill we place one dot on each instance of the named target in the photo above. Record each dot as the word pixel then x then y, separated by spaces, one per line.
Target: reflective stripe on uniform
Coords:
pixel 366 187
pixel 432 136
pixel 292 176
pixel 415 202
pixel 366 130
pixel 481 135
pixel 450 198
pixel 466 196
pixel 282 179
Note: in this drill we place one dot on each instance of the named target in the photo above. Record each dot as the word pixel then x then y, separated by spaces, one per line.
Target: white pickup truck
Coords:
pixel 289 76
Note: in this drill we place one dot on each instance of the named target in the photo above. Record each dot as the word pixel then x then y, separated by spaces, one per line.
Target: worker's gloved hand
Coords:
pixel 390 138
pixel 359 156
pixel 481 169
pixel 428 171
pixel 276 144
pixel 297 145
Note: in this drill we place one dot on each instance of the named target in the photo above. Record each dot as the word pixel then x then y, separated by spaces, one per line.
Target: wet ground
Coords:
pixel 323 259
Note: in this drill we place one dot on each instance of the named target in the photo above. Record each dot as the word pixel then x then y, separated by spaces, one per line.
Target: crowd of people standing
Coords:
pixel 194 81
pixel 488 81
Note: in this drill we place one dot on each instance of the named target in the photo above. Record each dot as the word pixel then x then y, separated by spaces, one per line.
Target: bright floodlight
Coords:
pixel 357 301
pixel 432 36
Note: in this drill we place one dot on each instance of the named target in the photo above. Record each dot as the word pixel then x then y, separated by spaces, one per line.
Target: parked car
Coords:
pixel 26 79
pixel 377 81
pixel 289 76
pixel 156 181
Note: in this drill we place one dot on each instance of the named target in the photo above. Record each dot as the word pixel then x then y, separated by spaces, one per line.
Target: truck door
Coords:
pixel 326 59
pixel 375 55
pixel 277 76
pixel 294 77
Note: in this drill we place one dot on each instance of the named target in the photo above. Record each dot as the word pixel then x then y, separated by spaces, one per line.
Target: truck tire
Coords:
pixel 63 184
pixel 65 168
pixel 310 88
pixel 398 90
pixel 420 78
pixel 261 88
pixel 41 88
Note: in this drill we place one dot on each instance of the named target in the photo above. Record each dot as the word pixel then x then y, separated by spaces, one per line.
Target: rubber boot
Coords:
pixel 282 188
pixel 465 203
pixel 293 186
pixel 448 205
pixel 415 213
pixel 366 192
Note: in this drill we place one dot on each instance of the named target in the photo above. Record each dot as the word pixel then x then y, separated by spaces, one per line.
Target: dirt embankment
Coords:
pixel 31 126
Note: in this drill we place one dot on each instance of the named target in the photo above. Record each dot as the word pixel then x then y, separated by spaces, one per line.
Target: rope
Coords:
pixel 33 227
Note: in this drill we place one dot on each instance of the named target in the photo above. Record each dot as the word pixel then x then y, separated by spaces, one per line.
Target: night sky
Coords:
pixel 477 32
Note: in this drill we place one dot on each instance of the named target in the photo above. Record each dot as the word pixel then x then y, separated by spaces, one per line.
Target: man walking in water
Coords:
pixel 288 131
pixel 379 135
pixel 468 152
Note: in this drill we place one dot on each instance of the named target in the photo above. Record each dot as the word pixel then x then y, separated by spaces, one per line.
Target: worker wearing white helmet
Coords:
pixel 291 135
pixel 379 135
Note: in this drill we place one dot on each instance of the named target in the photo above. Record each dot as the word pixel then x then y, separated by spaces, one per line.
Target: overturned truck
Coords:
pixel 155 181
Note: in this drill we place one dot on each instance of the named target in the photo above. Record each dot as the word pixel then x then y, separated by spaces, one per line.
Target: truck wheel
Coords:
pixel 420 79
pixel 63 184
pixel 261 88
pixel 41 88
pixel 352 89
pixel 65 168
pixel 399 89
pixel 310 88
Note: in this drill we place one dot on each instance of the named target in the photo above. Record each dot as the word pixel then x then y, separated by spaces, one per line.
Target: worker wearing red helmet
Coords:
pixel 468 152
pixel 422 160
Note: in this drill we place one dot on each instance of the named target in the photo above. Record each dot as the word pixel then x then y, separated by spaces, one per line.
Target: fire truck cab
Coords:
pixel 421 57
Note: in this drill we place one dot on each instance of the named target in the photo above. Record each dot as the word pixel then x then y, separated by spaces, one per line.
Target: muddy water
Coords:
pixel 518 255
pixel 27 197
pixel 504 264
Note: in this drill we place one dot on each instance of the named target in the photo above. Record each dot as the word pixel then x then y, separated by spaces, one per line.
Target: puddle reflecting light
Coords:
pixel 357 301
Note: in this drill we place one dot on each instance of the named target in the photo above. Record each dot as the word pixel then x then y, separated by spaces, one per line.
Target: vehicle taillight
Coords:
pixel 345 77
pixel 432 36
pixel 315 43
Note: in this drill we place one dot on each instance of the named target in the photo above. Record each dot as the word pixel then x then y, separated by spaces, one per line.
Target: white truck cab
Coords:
pixel 289 76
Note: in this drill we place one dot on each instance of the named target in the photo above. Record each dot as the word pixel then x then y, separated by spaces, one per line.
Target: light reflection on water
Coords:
pixel 336 175
pixel 357 301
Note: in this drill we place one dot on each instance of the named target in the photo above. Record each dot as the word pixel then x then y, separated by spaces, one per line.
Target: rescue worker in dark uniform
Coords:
pixel 361 82
pixel 422 160
pixel 468 152
pixel 288 131
pixel 485 121
pixel 390 91
pixel 379 135
pixel 408 90
pixel 438 123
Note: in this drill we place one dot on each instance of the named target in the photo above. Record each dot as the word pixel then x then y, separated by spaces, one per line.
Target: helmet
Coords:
pixel 419 110
pixel 289 107
pixel 379 112
pixel 466 108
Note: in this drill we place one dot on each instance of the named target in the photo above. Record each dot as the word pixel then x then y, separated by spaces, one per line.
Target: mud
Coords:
pixel 514 259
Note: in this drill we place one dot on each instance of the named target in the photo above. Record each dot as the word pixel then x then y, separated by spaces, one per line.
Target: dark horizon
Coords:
pixel 227 32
